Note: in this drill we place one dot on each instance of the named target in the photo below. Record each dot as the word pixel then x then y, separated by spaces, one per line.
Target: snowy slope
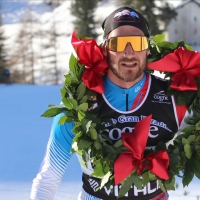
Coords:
pixel 44 17
pixel 23 139
pixel 62 19
pixel 13 11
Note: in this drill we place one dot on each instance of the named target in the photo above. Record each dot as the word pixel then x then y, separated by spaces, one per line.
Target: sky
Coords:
pixel 23 139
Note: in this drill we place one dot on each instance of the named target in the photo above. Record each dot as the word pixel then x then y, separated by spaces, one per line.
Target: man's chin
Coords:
pixel 131 77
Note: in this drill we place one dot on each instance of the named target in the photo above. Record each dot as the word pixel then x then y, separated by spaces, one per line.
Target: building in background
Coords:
pixel 186 25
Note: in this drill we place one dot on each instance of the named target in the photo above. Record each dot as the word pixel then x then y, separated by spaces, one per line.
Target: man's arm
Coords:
pixel 55 161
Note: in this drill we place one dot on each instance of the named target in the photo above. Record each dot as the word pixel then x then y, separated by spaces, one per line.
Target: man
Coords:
pixel 128 92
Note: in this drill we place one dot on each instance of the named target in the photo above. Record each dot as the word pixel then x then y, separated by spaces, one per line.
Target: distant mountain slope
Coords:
pixel 13 11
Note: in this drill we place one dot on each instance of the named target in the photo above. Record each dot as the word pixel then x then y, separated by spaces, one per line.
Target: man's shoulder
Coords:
pixel 159 78
pixel 159 82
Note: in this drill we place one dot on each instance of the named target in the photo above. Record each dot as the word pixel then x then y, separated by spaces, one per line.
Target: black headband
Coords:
pixel 125 16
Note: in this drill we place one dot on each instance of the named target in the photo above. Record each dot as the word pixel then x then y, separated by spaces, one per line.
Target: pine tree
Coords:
pixel 25 61
pixel 49 61
pixel 85 23
pixel 53 2
pixel 3 56
pixel 158 16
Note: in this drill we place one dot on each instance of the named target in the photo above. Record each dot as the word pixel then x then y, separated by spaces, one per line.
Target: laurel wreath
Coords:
pixel 78 100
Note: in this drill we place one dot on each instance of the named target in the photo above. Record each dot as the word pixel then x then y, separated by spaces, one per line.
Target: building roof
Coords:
pixel 186 2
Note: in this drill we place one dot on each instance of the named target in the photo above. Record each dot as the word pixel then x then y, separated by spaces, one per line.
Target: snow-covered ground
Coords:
pixel 23 139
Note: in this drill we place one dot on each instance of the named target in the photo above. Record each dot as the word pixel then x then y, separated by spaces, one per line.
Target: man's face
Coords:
pixel 128 65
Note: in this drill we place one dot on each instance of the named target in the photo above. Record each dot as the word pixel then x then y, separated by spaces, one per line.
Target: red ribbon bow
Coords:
pixel 90 55
pixel 186 66
pixel 134 158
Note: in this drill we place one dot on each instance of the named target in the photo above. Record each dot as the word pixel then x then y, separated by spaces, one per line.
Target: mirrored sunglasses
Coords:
pixel 118 44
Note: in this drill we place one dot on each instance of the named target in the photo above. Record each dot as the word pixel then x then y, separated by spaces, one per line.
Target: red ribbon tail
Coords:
pixel 93 81
pixel 159 163
pixel 123 166
pixel 183 81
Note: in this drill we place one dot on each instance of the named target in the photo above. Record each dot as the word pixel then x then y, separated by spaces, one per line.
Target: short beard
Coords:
pixel 129 76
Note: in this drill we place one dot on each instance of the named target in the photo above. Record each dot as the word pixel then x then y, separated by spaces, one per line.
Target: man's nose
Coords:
pixel 128 51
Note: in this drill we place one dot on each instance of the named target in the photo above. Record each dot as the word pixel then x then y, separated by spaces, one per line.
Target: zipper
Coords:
pixel 127 102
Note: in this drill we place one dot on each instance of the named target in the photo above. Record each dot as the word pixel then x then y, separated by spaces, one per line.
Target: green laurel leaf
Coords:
pixel 185 141
pixel 84 144
pixel 196 164
pixel 174 159
pixel 74 147
pixel 62 120
pixel 105 179
pixel 84 99
pixel 72 63
pixel 93 133
pixel 162 187
pixel 63 92
pixel 83 107
pixel 145 178
pixel 81 115
pixel 98 145
pixel 188 129
pixel 187 150
pixel 125 187
pixel 118 144
pixel 158 38
pixel 191 138
pixel 197 126
pixel 68 79
pixel 109 149
pixel 170 184
pixel 98 170
pixel 188 173
pixel 88 125
pixel 192 120
pixel 52 112
pixel 80 91
pixel 152 177
pixel 85 157
pixel 70 103
pixel 137 181
pixel 176 151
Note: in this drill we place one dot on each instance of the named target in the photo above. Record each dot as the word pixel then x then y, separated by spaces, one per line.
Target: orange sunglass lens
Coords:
pixel 118 44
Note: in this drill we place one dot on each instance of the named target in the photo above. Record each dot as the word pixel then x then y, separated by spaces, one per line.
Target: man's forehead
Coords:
pixel 125 30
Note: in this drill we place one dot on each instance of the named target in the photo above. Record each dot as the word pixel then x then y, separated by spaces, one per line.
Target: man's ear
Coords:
pixel 104 49
pixel 148 52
